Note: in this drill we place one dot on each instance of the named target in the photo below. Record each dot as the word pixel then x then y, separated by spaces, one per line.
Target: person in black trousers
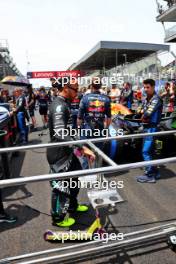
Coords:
pixel 4 217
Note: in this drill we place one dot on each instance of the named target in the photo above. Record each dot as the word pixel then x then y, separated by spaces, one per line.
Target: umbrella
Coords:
pixel 15 80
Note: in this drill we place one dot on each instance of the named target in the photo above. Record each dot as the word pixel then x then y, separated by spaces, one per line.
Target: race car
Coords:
pixel 123 151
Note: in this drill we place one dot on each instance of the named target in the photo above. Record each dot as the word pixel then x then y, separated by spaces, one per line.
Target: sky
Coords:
pixel 53 34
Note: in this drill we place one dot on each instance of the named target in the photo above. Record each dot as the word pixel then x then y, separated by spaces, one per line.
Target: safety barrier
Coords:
pixel 94 246
pixel 66 175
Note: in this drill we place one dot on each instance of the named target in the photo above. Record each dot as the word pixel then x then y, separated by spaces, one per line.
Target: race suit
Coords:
pixel 61 159
pixel 126 97
pixel 21 115
pixel 94 108
pixel 152 115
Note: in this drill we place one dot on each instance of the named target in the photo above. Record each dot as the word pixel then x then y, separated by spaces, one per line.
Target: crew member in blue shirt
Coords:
pixel 94 114
pixel 151 111
pixel 94 110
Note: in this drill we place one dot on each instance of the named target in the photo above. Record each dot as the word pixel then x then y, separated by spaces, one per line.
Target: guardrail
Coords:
pixel 86 249
pixel 80 173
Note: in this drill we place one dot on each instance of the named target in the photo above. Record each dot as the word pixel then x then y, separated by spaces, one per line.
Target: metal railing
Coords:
pixel 86 249
pixel 98 246
pixel 85 141
pixel 113 167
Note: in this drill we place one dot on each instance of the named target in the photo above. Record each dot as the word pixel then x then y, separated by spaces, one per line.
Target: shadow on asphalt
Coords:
pixel 116 174
pixel 11 190
pixel 84 221
pixel 25 214
pixel 17 163
pixel 166 173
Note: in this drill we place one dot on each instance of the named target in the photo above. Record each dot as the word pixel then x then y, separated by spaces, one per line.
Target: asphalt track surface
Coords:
pixel 144 206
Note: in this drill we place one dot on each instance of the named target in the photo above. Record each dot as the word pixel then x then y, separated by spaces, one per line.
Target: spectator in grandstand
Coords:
pixel 160 9
pixel 169 2
pixel 126 97
pixel 43 100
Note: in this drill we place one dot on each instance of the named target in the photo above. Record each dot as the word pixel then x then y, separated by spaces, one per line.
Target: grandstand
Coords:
pixel 7 66
pixel 167 16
